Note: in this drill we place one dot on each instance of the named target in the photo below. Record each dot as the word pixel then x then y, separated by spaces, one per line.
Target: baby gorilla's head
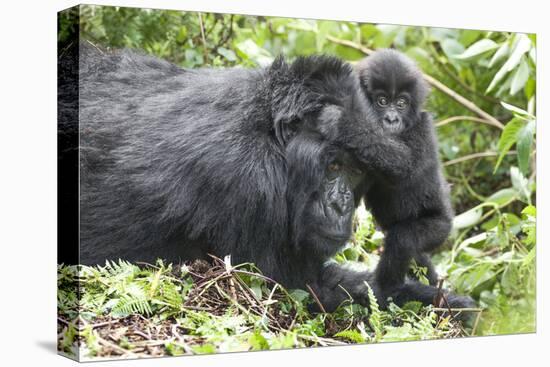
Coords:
pixel 395 88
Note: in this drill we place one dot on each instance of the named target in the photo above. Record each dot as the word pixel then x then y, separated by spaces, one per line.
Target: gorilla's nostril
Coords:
pixel 337 208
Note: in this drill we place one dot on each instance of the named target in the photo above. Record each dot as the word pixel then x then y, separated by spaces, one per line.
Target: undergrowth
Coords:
pixel 128 310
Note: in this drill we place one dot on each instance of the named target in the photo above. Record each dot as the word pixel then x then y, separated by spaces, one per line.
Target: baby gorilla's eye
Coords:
pixel 335 167
pixel 382 101
pixel 402 102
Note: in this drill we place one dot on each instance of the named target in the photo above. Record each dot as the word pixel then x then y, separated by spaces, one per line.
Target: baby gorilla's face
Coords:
pixel 395 88
pixel 393 109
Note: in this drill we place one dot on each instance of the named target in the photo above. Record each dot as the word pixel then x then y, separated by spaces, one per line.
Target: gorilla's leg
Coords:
pixel 337 284
pixel 408 240
pixel 413 290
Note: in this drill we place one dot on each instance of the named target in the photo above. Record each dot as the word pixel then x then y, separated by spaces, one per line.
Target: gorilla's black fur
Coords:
pixel 411 202
pixel 181 163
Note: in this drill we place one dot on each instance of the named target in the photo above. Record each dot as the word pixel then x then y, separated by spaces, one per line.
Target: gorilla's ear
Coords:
pixel 291 107
pixel 302 89
pixel 285 129
pixel 295 112
pixel 289 100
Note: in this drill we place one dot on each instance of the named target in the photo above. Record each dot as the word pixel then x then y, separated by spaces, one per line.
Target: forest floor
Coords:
pixel 125 310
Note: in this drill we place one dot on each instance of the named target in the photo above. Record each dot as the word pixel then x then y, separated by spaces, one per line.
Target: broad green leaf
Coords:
pixel 514 222
pixel 522 45
pixel 510 277
pixel 471 252
pixel 414 306
pixel 468 36
pixel 524 145
pixel 520 183
pixel 477 49
pixel 516 110
pixel 420 55
pixel 529 225
pixel 468 218
pixel 182 34
pixel 299 295
pixel 530 210
pixel 204 349
pixel 529 89
pixel 508 138
pixel 505 85
pixel 400 333
pixel 531 105
pixel 503 196
pixel 228 54
pixel 351 335
pixel 530 257
pixel 252 51
pixel 303 25
pixel 368 31
pixel 452 47
pixel 520 77
pixel 478 275
pixel 258 342
pixel 472 240
pixel 173 349
pixel 257 290
pixel 321 35
pixel 193 58
pixel 386 35
pixel 440 34
pixel 497 78
pixel 502 52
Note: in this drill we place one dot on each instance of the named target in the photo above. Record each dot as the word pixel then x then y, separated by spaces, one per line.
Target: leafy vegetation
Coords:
pixel 129 310
pixel 483 97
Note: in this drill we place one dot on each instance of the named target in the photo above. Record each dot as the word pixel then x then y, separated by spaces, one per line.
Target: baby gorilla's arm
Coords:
pixel 387 156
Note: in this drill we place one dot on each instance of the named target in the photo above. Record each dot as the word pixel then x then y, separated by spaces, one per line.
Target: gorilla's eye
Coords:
pixel 402 102
pixel 382 101
pixel 335 167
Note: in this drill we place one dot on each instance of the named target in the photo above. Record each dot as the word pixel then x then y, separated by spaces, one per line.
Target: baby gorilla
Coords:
pixel 409 197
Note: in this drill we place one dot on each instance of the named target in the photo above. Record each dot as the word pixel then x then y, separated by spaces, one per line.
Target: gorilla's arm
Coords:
pixel 389 157
pixel 396 158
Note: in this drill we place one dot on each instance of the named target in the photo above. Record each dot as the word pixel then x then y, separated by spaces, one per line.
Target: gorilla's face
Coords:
pixel 329 213
pixel 395 88
pixel 393 109
pixel 322 179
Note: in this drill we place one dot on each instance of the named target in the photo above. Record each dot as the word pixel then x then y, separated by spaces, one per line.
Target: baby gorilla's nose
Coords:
pixel 391 117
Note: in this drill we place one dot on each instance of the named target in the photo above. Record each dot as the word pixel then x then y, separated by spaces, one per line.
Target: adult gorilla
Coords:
pixel 180 163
